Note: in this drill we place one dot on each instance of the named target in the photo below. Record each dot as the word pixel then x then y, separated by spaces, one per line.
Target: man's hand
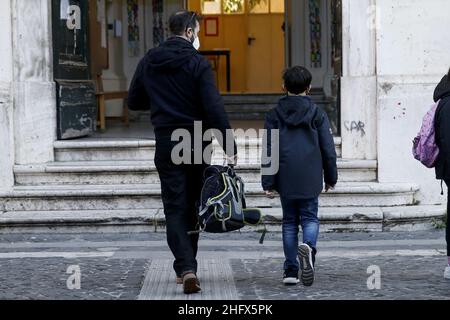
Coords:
pixel 329 187
pixel 232 161
pixel 270 194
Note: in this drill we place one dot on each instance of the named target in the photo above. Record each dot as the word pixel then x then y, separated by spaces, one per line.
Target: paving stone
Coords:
pixel 247 275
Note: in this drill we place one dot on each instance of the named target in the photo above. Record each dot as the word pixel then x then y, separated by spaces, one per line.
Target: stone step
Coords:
pixel 143 150
pixel 256 107
pixel 144 172
pixel 403 218
pixel 145 196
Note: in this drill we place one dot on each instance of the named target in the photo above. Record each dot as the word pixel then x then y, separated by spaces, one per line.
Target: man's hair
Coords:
pixel 448 74
pixel 180 21
pixel 297 79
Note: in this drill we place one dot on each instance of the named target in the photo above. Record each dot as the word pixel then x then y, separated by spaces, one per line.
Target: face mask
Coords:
pixel 196 43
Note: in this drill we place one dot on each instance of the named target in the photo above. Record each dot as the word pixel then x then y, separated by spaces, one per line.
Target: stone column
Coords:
pixel 34 89
pixel 6 101
pixel 359 84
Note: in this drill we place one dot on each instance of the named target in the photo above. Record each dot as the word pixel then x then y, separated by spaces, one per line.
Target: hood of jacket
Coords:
pixel 443 89
pixel 296 110
pixel 171 55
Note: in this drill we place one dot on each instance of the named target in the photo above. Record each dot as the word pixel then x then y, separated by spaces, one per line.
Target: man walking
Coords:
pixel 177 84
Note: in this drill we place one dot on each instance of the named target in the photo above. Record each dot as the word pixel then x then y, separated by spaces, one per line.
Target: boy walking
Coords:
pixel 307 158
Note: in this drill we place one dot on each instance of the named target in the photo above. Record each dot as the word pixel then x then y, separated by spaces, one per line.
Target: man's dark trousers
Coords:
pixel 181 187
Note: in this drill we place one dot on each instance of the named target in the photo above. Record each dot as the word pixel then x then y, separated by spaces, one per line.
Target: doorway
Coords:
pixel 253 32
pixel 262 36
pixel 315 41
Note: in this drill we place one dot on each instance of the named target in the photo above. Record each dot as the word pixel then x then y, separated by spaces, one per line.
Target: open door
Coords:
pixel 265 46
pixel 254 33
pixel 76 101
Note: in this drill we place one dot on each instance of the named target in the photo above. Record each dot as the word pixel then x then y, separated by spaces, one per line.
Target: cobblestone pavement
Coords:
pixel 117 265
pixel 346 279
pixel 45 279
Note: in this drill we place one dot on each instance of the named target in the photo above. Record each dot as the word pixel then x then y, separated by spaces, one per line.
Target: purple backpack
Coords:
pixel 424 145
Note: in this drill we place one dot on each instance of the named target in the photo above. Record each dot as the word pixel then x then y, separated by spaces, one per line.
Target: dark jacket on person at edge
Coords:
pixel 442 126
pixel 176 83
pixel 307 155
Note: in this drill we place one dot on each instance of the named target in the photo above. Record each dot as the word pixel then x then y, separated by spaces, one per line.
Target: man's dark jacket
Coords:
pixel 178 85
pixel 307 154
pixel 442 125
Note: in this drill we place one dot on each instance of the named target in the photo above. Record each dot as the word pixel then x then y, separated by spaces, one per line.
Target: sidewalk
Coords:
pixel 137 265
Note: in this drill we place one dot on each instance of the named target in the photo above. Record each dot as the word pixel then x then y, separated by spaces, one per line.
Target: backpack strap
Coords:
pixel 263 235
pixel 241 187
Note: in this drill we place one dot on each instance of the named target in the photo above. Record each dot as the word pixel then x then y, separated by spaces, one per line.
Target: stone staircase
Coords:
pixel 115 183
pixel 256 106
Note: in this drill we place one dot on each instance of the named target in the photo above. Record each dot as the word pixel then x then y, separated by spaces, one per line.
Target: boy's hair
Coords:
pixel 448 74
pixel 180 21
pixel 297 79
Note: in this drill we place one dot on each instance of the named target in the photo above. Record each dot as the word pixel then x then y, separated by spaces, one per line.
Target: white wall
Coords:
pixel 6 102
pixel 34 89
pixel 413 53
pixel 358 92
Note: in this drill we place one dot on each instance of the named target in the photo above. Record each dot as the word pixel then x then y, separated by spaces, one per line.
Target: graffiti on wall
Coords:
pixel 355 126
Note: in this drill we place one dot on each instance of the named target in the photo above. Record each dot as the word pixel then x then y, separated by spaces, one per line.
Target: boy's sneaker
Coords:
pixel 305 255
pixel 447 273
pixel 290 278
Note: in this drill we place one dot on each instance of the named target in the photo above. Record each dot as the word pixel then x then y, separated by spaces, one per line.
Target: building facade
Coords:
pixel 394 52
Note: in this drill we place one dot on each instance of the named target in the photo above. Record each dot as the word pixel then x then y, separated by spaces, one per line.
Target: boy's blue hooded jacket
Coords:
pixel 307 155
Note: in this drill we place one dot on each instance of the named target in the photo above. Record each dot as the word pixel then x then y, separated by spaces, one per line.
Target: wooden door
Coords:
pixel 259 53
pixel 98 37
pixel 75 92
pixel 256 41
pixel 265 53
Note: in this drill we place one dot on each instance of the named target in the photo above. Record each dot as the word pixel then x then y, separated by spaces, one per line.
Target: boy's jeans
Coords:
pixel 296 212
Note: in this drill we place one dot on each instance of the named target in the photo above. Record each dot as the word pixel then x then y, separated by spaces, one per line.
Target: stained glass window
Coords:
pixel 258 6
pixel 315 26
pixel 158 25
pixel 233 6
pixel 133 28
pixel 211 7
pixel 277 6
pixel 215 7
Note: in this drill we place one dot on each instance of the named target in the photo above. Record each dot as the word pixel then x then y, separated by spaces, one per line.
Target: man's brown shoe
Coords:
pixel 190 283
